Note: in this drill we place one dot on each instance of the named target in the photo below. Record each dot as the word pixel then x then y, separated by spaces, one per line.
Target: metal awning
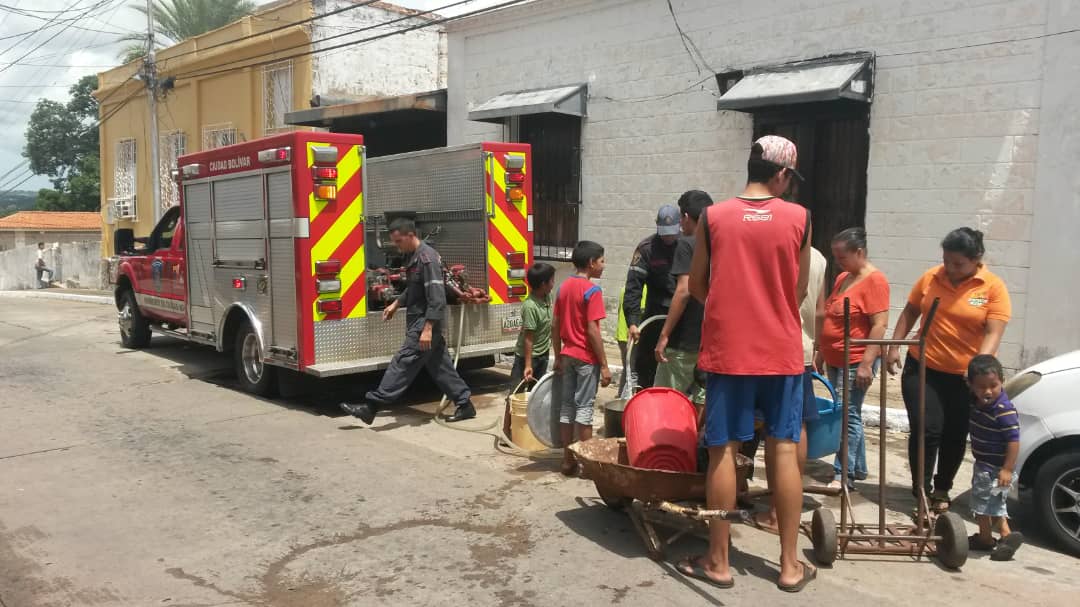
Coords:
pixel 827 79
pixel 400 107
pixel 569 100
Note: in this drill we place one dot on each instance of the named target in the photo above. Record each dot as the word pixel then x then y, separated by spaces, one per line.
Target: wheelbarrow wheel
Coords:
pixel 823 536
pixel 615 502
pixel 952 548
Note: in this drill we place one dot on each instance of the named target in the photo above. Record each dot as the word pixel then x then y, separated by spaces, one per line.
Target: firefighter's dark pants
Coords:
pixel 408 362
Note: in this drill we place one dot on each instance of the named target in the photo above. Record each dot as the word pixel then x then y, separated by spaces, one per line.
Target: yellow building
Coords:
pixel 238 82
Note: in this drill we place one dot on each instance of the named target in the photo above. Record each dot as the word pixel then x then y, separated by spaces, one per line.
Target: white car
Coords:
pixel 1047 397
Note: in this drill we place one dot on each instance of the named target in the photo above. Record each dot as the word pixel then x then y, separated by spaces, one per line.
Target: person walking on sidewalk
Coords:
pixel 995 445
pixel 650 267
pixel 971 320
pixel 868 291
pixel 750 270
pixel 682 327
pixel 424 300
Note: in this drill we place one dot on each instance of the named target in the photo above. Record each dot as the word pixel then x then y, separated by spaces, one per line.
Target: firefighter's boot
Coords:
pixel 464 412
pixel 364 411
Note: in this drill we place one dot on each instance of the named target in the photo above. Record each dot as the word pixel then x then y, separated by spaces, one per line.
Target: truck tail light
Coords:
pixel 275 155
pixel 239 283
pixel 518 291
pixel 330 306
pixel 515 263
pixel 324 173
pixel 515 194
pixel 515 178
pixel 331 285
pixel 329 267
pixel 326 192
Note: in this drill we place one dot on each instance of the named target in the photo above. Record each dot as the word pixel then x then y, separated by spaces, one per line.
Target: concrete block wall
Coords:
pixel 412 62
pixel 76 264
pixel 955 122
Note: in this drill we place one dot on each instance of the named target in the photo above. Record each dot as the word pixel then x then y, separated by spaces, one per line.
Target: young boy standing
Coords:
pixel 579 347
pixel 995 443
pixel 534 341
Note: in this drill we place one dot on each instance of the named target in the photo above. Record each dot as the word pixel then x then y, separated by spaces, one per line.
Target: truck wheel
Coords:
pixel 255 376
pixel 134 329
pixel 1057 498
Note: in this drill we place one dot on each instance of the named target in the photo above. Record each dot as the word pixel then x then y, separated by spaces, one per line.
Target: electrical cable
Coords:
pixel 433 22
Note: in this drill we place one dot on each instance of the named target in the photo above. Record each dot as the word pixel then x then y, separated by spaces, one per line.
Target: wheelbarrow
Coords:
pixel 652 498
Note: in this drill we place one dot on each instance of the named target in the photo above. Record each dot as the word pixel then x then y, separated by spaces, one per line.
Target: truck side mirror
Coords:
pixel 123 241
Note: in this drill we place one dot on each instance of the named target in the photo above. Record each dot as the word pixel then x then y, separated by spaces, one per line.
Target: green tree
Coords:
pixel 62 143
pixel 178 20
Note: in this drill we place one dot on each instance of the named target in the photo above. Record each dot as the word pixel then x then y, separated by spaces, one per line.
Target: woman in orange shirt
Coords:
pixel 971 320
pixel 868 291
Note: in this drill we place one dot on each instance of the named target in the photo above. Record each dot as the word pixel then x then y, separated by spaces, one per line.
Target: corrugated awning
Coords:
pixel 568 100
pixel 828 79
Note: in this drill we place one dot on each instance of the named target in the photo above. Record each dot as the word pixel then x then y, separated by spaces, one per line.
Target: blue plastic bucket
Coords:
pixel 823 434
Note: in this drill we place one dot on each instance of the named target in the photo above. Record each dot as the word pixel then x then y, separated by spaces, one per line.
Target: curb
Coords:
pixel 896 420
pixel 96 299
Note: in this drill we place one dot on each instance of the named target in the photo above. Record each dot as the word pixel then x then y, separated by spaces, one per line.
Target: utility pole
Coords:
pixel 150 77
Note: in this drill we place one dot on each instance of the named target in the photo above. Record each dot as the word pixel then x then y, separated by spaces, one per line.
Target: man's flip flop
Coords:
pixel 1007 547
pixel 808 575
pixel 691 568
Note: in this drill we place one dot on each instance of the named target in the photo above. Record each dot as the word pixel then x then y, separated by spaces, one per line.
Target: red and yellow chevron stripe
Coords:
pixel 337 231
pixel 508 229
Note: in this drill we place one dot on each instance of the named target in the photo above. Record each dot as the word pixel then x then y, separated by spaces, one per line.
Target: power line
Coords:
pixel 353 42
pixel 85 12
pixel 279 28
pixel 687 43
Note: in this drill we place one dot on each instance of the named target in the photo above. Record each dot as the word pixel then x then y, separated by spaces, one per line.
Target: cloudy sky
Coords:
pixel 47 45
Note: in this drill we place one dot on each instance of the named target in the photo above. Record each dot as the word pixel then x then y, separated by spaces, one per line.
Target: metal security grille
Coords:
pixel 173 146
pixel 277 95
pixel 556 147
pixel 123 200
pixel 218 135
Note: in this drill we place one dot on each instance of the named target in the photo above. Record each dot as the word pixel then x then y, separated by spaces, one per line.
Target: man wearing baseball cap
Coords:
pixel 752 264
pixel 651 266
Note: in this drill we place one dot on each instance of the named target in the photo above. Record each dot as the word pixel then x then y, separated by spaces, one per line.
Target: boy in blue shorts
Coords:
pixel 995 444
pixel 579 347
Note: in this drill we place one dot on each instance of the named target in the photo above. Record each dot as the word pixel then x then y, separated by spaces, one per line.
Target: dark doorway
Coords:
pixel 834 150
pixel 397 132
pixel 556 150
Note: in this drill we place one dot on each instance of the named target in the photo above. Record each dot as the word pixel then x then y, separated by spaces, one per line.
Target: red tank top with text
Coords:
pixel 752 324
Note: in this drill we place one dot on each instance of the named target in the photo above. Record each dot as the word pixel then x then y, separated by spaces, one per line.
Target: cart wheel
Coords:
pixel 823 536
pixel 952 548
pixel 616 502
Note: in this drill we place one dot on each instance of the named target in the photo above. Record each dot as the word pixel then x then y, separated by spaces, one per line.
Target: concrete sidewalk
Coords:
pixel 80 295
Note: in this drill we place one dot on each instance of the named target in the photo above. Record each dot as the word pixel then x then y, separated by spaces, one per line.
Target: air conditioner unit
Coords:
pixel 124 207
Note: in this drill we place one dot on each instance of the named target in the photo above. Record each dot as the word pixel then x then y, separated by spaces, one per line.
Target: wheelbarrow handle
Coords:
pixel 701 514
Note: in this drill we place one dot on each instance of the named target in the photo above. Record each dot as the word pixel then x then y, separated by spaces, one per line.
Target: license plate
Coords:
pixel 512 323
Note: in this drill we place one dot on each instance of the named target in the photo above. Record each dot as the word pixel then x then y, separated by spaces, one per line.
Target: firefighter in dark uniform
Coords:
pixel 424 300
pixel 651 265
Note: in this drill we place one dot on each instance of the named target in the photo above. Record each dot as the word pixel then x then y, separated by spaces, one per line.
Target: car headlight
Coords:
pixel 1020 383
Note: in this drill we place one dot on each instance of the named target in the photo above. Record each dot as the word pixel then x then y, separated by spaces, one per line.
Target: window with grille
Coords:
pixel 123 200
pixel 173 146
pixel 277 95
pixel 218 135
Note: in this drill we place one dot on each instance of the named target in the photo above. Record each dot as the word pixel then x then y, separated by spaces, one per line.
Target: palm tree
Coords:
pixel 177 20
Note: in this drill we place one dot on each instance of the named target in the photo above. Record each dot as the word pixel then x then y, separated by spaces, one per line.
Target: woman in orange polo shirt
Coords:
pixel 970 320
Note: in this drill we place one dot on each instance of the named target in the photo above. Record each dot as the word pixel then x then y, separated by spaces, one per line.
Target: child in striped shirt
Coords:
pixel 995 443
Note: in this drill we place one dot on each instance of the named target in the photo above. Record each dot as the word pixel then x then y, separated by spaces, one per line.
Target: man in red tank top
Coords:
pixel 751 270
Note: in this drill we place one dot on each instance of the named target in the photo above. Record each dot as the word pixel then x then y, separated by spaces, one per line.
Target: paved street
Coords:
pixel 143 478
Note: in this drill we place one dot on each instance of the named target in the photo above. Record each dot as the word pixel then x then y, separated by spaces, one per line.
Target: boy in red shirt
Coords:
pixel 579 347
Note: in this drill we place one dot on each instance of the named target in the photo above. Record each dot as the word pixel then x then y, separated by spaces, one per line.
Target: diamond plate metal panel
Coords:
pixel 358 339
pixel 238 198
pixel 283 292
pixel 438 180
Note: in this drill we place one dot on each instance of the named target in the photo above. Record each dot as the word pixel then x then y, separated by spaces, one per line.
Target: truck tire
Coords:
pixel 134 328
pixel 254 375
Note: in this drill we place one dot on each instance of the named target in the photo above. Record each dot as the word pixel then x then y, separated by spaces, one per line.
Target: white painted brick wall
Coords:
pixel 412 62
pixel 954 133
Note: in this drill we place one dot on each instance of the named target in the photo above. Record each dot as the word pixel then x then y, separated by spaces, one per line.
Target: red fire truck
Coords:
pixel 279 253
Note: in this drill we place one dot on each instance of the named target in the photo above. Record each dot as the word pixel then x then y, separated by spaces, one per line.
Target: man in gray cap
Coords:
pixel 651 266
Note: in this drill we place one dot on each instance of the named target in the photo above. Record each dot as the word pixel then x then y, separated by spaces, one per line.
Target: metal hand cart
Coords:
pixel 943 536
